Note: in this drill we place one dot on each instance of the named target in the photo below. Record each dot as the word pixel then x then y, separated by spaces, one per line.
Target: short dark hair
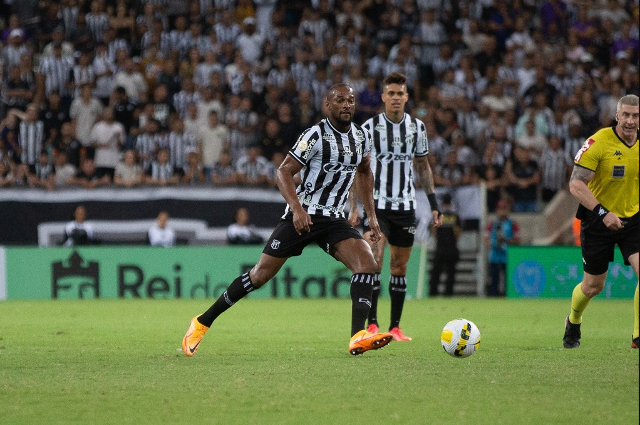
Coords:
pixel 395 78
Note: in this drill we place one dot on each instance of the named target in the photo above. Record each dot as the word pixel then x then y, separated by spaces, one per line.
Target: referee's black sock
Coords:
pixel 361 288
pixel 397 292
pixel 240 287
pixel 373 312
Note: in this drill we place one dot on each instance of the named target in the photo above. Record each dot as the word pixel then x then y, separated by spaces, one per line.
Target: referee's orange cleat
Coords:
pixel 364 341
pixel 192 338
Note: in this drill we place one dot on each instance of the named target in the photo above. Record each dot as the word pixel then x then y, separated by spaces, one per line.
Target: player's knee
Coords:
pixel 259 276
pixel 398 268
pixel 366 264
pixel 592 287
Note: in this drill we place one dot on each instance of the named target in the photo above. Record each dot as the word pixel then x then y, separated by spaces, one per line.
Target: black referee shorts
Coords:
pixel 598 242
pixel 399 227
pixel 285 242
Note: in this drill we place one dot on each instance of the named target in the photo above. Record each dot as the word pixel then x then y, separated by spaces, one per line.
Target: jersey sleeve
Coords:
pixel 305 147
pixel 366 144
pixel 588 155
pixel 422 142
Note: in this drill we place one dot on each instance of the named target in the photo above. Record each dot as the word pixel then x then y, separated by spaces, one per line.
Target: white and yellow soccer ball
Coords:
pixel 460 338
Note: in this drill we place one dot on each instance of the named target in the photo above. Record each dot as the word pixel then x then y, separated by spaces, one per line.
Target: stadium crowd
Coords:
pixel 215 92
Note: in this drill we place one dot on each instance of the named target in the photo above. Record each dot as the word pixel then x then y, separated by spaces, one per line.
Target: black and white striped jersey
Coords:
pixel 329 160
pixel 158 171
pixel 178 143
pixel 56 71
pixel 393 148
pixel 31 139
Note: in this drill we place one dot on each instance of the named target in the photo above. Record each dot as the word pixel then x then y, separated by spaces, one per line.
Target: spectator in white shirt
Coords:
pixel 132 80
pixel 160 234
pixel 107 137
pixel 78 232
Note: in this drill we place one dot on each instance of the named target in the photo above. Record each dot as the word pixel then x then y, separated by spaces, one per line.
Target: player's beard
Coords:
pixel 343 122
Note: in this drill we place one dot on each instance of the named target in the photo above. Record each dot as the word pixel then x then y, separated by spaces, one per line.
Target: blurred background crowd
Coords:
pixel 215 92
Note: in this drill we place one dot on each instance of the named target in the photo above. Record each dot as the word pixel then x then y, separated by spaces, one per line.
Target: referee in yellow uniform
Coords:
pixel 605 182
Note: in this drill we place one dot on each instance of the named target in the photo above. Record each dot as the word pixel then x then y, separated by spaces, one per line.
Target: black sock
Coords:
pixel 361 287
pixel 373 312
pixel 397 292
pixel 240 287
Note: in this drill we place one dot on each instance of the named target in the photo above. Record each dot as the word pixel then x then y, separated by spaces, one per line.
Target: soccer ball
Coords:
pixel 460 338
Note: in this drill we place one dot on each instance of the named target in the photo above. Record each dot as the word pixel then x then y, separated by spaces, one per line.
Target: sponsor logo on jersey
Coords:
pixel 302 145
pixel 585 147
pixel 380 128
pixel 618 171
pixel 275 244
pixel 618 154
pixel 329 137
pixel 386 158
pixel 347 151
pixel 308 147
pixel 338 168
pixel 413 128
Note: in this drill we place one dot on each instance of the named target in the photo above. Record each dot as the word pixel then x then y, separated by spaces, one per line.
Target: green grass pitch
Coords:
pixel 286 362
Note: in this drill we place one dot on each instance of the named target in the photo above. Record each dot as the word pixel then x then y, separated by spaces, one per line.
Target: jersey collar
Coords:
pixel 404 116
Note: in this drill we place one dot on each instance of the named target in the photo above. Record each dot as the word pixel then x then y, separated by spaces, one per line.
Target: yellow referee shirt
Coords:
pixel 615 184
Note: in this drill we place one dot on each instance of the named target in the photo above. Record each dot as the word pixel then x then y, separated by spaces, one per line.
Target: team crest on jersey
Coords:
pixel 329 137
pixel 397 142
pixel 380 128
pixel 409 139
pixel 359 149
pixel 358 135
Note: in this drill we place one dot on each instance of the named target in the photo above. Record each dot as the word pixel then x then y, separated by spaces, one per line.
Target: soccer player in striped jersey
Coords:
pixel 330 156
pixel 399 146
pixel 605 182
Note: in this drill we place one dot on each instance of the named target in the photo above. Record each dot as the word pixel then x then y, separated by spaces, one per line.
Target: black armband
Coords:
pixel 600 211
pixel 433 202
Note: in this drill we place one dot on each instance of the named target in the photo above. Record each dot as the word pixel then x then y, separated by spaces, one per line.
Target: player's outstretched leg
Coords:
pixel 239 288
pixel 361 340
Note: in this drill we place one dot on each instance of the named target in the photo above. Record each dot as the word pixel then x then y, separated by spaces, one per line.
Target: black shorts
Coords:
pixel 399 227
pixel 598 242
pixel 285 242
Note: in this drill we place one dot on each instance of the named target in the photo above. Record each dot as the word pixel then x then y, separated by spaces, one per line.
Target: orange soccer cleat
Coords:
pixel 192 338
pixel 364 341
